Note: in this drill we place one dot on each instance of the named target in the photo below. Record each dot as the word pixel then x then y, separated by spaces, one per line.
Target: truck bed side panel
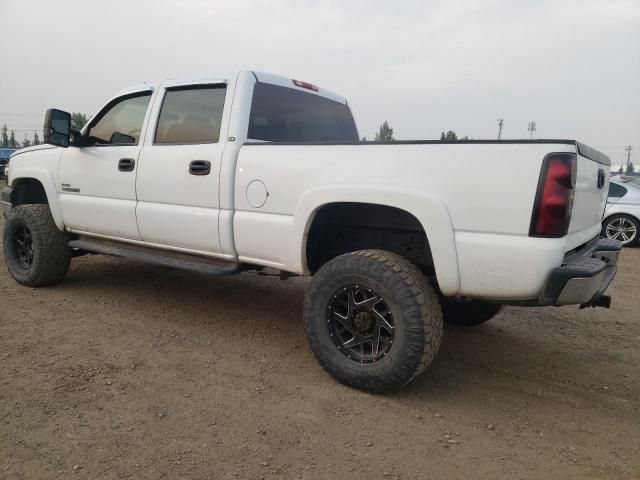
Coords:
pixel 488 190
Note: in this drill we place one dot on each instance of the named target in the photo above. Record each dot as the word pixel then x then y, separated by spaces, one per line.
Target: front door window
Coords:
pixel 120 122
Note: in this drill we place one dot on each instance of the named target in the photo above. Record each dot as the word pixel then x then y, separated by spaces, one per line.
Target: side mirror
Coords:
pixel 76 139
pixel 57 127
pixel 118 138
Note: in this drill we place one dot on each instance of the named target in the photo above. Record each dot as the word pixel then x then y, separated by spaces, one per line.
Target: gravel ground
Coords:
pixel 132 371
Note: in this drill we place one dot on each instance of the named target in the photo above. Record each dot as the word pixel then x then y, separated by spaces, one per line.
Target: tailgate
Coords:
pixel 592 186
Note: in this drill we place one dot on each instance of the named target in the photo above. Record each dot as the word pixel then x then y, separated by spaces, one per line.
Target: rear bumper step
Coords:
pixel 164 258
pixel 584 276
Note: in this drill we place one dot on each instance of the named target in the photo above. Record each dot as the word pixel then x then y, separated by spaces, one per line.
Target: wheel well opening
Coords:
pixel 340 228
pixel 620 214
pixel 28 190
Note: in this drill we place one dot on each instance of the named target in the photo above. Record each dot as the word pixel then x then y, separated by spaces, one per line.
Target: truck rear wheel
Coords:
pixel 467 313
pixel 35 251
pixel 372 320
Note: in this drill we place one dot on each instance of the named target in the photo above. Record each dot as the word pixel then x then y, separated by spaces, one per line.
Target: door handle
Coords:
pixel 126 164
pixel 200 167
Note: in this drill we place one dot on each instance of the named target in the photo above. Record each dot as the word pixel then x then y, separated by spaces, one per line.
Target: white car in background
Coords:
pixel 622 214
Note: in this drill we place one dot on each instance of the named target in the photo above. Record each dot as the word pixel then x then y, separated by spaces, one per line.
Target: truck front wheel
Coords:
pixel 35 251
pixel 372 320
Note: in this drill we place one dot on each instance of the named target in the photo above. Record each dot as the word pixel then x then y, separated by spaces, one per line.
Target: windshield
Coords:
pixel 281 114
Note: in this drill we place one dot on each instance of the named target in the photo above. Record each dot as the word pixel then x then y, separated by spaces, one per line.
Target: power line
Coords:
pixel 25 130
pixel 19 114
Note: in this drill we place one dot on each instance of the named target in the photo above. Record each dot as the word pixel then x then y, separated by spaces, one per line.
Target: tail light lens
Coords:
pixel 554 198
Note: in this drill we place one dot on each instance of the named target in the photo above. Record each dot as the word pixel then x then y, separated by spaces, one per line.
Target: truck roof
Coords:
pixel 259 77
pixel 288 82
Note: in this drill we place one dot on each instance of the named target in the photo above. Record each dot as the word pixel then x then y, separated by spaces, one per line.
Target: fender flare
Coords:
pixel 430 211
pixel 46 179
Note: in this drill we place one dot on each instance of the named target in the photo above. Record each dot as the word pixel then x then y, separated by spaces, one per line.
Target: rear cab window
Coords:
pixel 281 114
pixel 191 115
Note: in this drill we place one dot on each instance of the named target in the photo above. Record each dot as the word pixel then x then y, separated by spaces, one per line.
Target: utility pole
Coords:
pixel 628 149
pixel 500 123
pixel 531 128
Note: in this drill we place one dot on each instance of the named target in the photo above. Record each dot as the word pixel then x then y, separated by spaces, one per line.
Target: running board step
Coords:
pixel 155 256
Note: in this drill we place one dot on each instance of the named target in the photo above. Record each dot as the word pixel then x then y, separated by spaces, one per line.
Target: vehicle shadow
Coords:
pixel 484 360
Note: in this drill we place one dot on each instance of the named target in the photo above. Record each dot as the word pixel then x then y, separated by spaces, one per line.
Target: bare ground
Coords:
pixel 132 371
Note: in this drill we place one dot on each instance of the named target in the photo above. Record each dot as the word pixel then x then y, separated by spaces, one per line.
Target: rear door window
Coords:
pixel 281 114
pixel 191 114
pixel 616 191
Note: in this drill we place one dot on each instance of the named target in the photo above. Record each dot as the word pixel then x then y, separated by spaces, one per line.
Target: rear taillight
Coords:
pixel 554 198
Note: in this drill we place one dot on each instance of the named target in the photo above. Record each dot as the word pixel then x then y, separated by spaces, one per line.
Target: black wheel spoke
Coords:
pixel 356 341
pixel 383 322
pixel 350 343
pixel 345 322
pixel 375 343
pixel 367 303
pixel 22 246
pixel 351 303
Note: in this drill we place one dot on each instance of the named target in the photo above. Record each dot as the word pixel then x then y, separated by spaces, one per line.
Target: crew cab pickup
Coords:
pixel 251 170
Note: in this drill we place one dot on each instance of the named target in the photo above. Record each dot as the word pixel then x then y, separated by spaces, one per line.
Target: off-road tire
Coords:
pixel 51 251
pixel 412 302
pixel 468 313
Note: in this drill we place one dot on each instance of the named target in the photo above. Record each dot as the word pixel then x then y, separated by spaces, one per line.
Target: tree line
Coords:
pixel 385 134
pixel 9 140
pixel 628 170
pixel 8 137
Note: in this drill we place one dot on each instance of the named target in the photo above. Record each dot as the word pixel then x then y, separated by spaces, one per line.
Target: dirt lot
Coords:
pixel 132 371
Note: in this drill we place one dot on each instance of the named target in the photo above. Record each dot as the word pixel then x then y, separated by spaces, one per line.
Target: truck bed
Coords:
pixel 474 198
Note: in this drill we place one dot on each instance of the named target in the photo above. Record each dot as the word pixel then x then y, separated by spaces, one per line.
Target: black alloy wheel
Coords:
pixel 22 246
pixel 360 323
pixel 35 251
pixel 372 319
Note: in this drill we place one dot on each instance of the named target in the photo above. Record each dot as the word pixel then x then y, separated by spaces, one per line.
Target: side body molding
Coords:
pixel 431 212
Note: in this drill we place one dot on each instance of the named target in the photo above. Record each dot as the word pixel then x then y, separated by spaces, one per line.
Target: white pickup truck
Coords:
pixel 251 170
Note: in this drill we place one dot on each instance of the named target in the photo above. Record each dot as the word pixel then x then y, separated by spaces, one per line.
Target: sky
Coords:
pixel 572 66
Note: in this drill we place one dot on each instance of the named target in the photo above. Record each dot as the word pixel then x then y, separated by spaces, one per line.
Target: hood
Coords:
pixel 43 146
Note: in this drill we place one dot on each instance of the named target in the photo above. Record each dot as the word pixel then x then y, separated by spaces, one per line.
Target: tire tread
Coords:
pixel 419 302
pixel 52 263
